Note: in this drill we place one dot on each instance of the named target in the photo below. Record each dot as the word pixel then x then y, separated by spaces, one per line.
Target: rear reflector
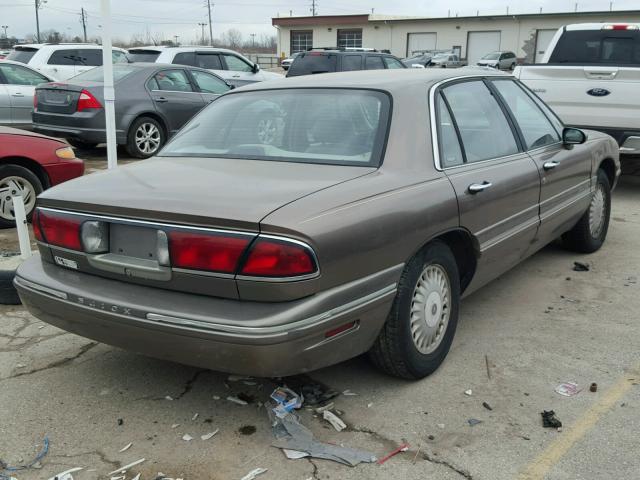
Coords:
pixel 276 258
pixel 87 101
pixel 59 229
pixel 215 253
pixel 339 330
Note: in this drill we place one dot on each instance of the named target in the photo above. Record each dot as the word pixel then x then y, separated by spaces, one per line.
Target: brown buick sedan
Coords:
pixel 295 224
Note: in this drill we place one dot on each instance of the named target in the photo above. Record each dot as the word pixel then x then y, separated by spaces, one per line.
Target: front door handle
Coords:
pixel 479 187
pixel 161 100
pixel 17 94
pixel 236 76
pixel 550 165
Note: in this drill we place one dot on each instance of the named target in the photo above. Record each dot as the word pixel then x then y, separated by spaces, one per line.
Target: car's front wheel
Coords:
pixel 145 138
pixel 16 180
pixel 590 232
pixel 419 330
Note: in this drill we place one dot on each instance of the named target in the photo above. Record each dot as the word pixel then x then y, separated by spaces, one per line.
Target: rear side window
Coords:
pixel 351 62
pixel 449 146
pixel 143 55
pixel 210 61
pixel 172 81
pixel 22 55
pixel 391 62
pixel 598 47
pixel 63 57
pixel 483 127
pixel 79 57
pixel 185 58
pixel 373 62
pixel 313 62
pixel 17 75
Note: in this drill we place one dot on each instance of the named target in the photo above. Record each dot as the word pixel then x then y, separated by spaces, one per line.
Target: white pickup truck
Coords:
pixel 590 76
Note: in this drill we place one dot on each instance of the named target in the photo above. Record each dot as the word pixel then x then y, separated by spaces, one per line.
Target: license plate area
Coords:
pixel 132 241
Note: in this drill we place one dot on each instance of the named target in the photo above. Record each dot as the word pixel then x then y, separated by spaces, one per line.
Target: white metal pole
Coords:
pixel 109 94
pixel 21 225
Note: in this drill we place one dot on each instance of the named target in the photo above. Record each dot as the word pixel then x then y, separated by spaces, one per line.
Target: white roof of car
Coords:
pixel 597 26
pixel 193 48
pixel 56 46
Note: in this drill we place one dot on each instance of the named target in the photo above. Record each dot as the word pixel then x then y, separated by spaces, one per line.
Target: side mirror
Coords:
pixel 573 136
pixel 231 87
pixel 256 68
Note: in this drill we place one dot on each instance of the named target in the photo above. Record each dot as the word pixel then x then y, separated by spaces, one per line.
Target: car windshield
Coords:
pixel 143 55
pixel 598 47
pixel 120 71
pixel 313 62
pixel 491 56
pixel 22 55
pixel 327 126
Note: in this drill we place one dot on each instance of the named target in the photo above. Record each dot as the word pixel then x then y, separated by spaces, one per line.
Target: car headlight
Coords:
pixel 66 153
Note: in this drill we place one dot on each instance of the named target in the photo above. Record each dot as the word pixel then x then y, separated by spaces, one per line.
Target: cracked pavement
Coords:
pixel 536 327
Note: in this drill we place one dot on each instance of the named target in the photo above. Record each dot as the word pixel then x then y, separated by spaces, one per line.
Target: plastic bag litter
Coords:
pixel 287 400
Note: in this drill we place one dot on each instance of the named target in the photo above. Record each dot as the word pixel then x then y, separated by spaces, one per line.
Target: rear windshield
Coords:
pixel 143 55
pixel 598 47
pixel 313 62
pixel 22 55
pixel 328 126
pixel 120 71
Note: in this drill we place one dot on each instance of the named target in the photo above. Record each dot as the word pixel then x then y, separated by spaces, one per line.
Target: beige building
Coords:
pixel 527 35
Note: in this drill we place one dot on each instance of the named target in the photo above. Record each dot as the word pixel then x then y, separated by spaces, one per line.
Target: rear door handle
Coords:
pixel 236 76
pixel 479 187
pixel 17 94
pixel 550 165
pixel 161 99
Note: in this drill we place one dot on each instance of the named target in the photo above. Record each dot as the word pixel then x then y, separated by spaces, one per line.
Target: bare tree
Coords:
pixel 232 38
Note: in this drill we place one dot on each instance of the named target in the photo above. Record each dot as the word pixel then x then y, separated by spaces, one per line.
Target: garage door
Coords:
pixel 543 39
pixel 417 42
pixel 481 43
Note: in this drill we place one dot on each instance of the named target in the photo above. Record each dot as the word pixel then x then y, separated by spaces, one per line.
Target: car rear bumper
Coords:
pixel 250 338
pixel 87 135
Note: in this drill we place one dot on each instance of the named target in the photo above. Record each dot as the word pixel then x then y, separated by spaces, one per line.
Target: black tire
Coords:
pixel 512 67
pixel 8 293
pixel 80 145
pixel 395 351
pixel 581 238
pixel 132 147
pixel 26 176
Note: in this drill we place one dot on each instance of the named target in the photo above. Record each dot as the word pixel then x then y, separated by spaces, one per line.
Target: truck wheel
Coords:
pixel 145 138
pixel 419 330
pixel 17 180
pixel 589 233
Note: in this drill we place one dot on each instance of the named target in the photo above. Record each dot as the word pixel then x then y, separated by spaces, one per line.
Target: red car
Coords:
pixel 31 163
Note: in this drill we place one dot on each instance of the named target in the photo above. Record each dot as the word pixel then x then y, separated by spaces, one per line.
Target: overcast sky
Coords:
pixel 181 17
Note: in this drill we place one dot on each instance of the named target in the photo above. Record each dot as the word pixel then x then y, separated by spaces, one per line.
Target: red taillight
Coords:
pixel 35 222
pixel 622 26
pixel 216 253
pixel 87 101
pixel 275 258
pixel 59 229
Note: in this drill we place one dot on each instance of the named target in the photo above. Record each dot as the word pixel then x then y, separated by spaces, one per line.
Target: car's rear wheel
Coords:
pixel 590 232
pixel 419 330
pixel 80 145
pixel 17 180
pixel 512 66
pixel 145 138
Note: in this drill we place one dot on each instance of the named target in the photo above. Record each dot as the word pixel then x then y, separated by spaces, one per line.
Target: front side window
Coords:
pixel 536 129
pixel 236 64
pixel 393 62
pixel 448 144
pixel 16 75
pixel 324 126
pixel 373 62
pixel 351 62
pixel 210 61
pixel 172 81
pixel 301 40
pixel 350 38
pixel 484 129
pixel 208 83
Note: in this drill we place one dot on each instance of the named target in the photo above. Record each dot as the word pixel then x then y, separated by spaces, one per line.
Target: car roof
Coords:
pixel 194 48
pixel 55 46
pixel 596 26
pixel 393 81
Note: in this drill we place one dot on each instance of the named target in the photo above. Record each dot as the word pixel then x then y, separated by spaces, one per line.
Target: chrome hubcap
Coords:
pixel 147 138
pixel 430 308
pixel 267 130
pixel 11 187
pixel 597 212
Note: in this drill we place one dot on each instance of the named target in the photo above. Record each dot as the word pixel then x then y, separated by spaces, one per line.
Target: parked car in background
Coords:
pixel 590 76
pixel 29 164
pixel 421 59
pixel 286 63
pixel 152 102
pixel 280 252
pixel 227 64
pixel 499 60
pixel 327 60
pixel 446 60
pixel 17 87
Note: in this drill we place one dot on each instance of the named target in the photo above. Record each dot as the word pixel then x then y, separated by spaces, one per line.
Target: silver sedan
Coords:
pixel 17 86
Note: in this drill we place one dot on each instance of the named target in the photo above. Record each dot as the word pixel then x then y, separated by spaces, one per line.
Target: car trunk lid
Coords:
pixel 63 98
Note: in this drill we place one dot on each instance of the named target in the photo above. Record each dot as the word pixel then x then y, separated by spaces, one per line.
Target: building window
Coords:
pixel 301 40
pixel 350 38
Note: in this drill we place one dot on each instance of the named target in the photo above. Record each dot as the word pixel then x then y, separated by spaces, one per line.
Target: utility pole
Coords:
pixel 84 23
pixel 38 3
pixel 209 7
pixel 202 25
pixel 253 39
pixel 314 10
pixel 4 27
pixel 176 37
